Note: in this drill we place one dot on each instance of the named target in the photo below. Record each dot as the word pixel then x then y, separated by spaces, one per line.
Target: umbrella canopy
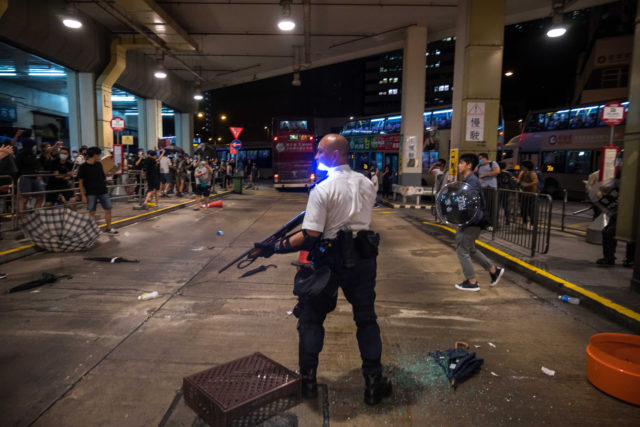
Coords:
pixel 173 148
pixel 206 150
pixel 60 230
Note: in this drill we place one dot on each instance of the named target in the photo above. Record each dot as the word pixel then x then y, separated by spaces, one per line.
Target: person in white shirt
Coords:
pixel 336 232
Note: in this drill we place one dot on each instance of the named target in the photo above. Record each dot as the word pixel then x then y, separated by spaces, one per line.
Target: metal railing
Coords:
pixel 130 186
pixel 520 218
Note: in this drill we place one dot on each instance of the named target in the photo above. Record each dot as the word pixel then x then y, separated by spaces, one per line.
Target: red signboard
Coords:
pixel 612 114
pixel 236 131
pixel 117 124
pixel 388 143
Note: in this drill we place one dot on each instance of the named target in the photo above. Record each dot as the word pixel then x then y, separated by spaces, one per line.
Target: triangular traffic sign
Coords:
pixel 236 131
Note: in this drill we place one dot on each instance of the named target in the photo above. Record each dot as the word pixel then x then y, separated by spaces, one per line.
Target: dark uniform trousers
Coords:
pixel 358 285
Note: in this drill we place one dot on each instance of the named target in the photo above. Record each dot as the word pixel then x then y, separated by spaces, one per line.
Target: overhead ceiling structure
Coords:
pixel 228 42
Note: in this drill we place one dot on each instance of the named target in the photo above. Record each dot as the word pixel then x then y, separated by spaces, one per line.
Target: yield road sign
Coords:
pixel 236 131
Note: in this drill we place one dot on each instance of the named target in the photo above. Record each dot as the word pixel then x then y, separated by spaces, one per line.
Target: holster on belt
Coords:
pixel 366 243
pixel 347 247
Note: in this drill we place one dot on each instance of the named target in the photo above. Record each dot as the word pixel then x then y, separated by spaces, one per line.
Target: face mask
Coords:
pixel 63 157
pixel 140 153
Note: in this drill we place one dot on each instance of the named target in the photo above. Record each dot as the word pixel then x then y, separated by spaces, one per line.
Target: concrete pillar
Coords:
pixel 142 124
pixel 82 109
pixel 105 83
pixel 629 209
pixel 413 87
pixel 184 131
pixel 152 122
pixel 477 76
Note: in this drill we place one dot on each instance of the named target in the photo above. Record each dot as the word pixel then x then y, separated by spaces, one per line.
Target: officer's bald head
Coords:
pixel 334 146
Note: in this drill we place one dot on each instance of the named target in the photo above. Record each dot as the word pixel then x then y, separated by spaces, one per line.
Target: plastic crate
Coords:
pixel 242 392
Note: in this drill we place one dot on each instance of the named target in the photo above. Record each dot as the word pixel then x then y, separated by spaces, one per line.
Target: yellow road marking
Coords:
pixel 20 248
pixel 592 295
pixel 574 230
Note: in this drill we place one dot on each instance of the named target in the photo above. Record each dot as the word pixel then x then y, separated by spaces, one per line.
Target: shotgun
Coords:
pixel 282 231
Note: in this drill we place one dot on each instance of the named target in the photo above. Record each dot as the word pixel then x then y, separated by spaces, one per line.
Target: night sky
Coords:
pixel 545 73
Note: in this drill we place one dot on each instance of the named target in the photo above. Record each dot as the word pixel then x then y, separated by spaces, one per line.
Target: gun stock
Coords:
pixel 281 232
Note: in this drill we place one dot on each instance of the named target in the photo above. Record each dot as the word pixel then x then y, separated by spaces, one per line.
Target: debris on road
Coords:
pixel 148 295
pixel 548 371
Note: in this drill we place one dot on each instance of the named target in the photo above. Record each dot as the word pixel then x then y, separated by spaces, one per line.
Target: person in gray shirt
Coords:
pixel 487 171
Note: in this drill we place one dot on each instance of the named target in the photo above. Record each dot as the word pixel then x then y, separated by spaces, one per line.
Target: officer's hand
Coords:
pixel 262 250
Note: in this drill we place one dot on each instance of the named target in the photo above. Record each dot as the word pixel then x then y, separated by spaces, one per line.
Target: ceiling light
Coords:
pixel 70 19
pixel 160 72
pixel 72 23
pixel 198 95
pixel 557 28
pixel 286 23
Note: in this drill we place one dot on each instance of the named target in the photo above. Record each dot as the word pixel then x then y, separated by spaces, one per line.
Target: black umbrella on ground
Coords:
pixel 46 278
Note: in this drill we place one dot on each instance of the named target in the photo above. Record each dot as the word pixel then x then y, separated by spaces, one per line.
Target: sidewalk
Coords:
pixel 571 259
pixel 123 213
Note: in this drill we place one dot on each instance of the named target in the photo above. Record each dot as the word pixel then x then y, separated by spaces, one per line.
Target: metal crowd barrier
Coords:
pixel 7 200
pixel 130 186
pixel 523 219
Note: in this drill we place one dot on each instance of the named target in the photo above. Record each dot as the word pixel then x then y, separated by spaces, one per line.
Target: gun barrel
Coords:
pixel 290 225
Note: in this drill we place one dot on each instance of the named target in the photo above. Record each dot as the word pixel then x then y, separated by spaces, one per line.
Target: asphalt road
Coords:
pixel 86 351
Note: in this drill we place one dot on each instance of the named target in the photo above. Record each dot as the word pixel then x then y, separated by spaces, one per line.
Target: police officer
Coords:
pixel 343 250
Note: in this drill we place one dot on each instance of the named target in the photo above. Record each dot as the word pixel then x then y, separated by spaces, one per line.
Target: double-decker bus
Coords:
pixel 565 144
pixel 375 140
pixel 293 149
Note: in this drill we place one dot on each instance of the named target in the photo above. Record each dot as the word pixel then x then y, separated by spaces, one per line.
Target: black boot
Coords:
pixel 376 387
pixel 309 383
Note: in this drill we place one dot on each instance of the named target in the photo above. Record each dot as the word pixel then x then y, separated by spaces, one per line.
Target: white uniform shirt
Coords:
pixel 343 200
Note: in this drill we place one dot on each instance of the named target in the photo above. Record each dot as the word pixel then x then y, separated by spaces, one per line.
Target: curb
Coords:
pixel 619 314
pixel 30 248
pixel 405 205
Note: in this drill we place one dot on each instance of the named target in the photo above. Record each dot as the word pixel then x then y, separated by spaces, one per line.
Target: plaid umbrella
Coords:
pixel 60 230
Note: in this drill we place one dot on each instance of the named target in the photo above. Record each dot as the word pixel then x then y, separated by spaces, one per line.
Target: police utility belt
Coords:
pixel 345 249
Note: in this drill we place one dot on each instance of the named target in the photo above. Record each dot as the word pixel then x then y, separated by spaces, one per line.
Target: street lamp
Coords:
pixel 223 117
pixel 200 114
pixel 219 138
pixel 509 73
